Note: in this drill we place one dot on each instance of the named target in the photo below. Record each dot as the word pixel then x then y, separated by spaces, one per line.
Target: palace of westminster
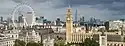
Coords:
pixel 77 34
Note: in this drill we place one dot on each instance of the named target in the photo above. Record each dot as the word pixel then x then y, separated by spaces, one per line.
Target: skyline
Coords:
pixel 104 9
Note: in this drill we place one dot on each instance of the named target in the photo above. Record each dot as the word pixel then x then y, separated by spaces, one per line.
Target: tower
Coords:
pixel 69 24
pixel 82 21
pixel 1 19
pixel 76 17
pixel 122 33
pixel 58 22
pixel 106 25
pixel 76 21
pixel 103 39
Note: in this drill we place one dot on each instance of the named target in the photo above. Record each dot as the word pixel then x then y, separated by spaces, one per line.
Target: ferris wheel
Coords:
pixel 28 17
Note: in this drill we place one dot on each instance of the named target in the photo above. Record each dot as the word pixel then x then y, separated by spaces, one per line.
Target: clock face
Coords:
pixel 68 18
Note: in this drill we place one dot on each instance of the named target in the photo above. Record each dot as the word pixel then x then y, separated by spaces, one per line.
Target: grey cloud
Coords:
pixel 118 6
pixel 18 1
pixel 102 9
pixel 29 1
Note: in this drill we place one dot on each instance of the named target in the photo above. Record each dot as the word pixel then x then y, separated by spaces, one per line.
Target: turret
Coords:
pixel 69 24
pixel 103 38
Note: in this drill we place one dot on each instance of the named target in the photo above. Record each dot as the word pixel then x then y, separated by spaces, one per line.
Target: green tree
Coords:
pixel 59 43
pixel 22 43
pixel 90 42
pixel 33 44
pixel 19 43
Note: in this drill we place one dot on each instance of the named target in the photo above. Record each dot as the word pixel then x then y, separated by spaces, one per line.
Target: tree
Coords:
pixel 22 43
pixel 19 43
pixel 33 44
pixel 59 43
pixel 90 42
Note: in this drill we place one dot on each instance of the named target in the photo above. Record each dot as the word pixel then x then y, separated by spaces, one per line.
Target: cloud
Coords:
pixel 51 9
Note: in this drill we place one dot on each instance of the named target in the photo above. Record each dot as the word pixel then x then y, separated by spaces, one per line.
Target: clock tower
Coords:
pixel 69 24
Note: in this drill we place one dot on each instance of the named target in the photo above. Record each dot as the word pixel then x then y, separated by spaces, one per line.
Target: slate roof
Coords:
pixel 112 38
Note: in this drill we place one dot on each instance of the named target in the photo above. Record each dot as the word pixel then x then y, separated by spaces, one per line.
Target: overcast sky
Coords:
pixel 51 9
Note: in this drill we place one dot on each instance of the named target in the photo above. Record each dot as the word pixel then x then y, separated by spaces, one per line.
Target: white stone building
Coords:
pixel 30 36
pixel 5 41
pixel 10 34
pixel 116 25
pixel 48 42
pixel 58 29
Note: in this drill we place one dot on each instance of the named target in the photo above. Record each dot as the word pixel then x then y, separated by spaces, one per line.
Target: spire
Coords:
pixel 69 6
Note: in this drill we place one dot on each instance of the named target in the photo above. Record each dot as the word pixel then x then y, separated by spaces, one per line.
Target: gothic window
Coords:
pixel 108 44
pixel 115 45
pixel 16 35
pixel 12 36
pixel 122 45
pixel 118 45
pixel 103 41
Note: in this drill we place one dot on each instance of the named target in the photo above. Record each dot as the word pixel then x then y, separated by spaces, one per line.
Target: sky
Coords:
pixel 51 9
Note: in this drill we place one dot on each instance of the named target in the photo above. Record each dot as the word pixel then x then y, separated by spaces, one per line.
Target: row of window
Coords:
pixel 9 43
pixel 115 45
pixel 79 37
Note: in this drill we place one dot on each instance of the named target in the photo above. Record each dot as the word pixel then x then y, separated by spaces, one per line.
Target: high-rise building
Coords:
pixel 69 24
pixel 1 19
pixel 20 19
pixel 9 20
pixel 76 23
pixel 82 20
pixel 29 18
pixel 76 17
pixel 106 25
pixel 92 20
pixel 41 19
pixel 58 22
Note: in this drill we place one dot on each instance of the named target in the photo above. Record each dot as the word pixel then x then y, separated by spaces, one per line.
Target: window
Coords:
pixel 114 44
pixel 122 45
pixel 16 35
pixel 118 45
pixel 103 41
pixel 12 36
pixel 108 44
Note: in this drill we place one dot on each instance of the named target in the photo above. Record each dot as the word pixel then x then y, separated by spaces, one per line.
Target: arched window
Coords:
pixel 108 44
pixel 118 45
pixel 12 36
pixel 121 44
pixel 115 45
pixel 16 36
